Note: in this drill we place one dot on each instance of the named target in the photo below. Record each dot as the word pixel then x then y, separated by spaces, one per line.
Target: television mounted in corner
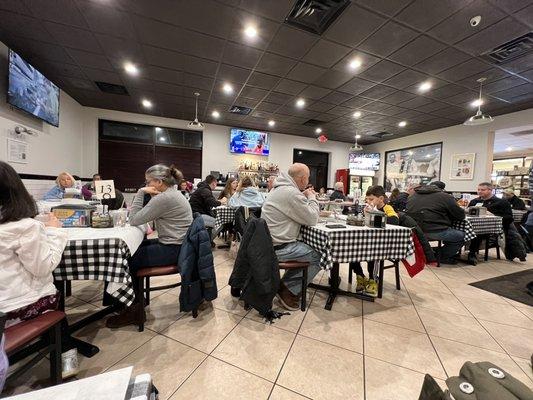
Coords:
pixel 30 91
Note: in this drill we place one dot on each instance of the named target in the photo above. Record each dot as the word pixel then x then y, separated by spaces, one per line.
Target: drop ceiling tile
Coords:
pixel 374 107
pixel 456 27
pixel 493 36
pixel 388 39
pixel 275 65
pixel 353 25
pixel 304 72
pixel 73 37
pixel 385 6
pixel 62 11
pixel 442 61
pixel 325 53
pixel 90 60
pixel 198 81
pixel 332 79
pixel 103 76
pixel 392 110
pixel 326 117
pixel 253 93
pixel 340 110
pixel 502 84
pixel 435 105
pixel 169 88
pixel 336 97
pixel 219 98
pixel 423 14
pixel 14 6
pixel 523 63
pixel 269 107
pixel 377 92
pixel 406 78
pixel 465 69
pixel 263 81
pixel 291 42
pixel 525 16
pixel 356 86
pixel 314 92
pixel 277 98
pixel 398 97
pixel 290 87
pixel 417 50
pixel 524 91
pixel 246 102
pixel 266 30
pixel 357 102
pixel 233 74
pixel 415 102
pixel 173 60
pixel 383 70
pixel 511 5
pixel 240 55
pixel 367 60
pixel 38 50
pixel 446 91
pixel 205 16
pixel 273 9
pixel 320 106
pixel 119 50
pixel 108 20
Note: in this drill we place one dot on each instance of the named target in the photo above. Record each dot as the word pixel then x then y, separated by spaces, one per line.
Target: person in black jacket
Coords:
pixel 516 202
pixel 435 212
pixel 202 200
pixel 496 206
pixel 338 193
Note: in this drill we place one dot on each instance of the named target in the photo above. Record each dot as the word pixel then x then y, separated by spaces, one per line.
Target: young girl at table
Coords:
pixel 29 252
pixel 246 195
pixel 376 200
pixel 172 216
pixel 229 189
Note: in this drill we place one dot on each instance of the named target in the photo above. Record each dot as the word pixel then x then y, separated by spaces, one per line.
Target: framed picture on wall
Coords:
pixel 417 165
pixel 462 167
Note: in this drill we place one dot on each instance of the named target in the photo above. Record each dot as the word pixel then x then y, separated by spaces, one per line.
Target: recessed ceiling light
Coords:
pixel 162 139
pixel 425 86
pixel 402 124
pixel 355 63
pixel 271 123
pixel 428 155
pixel 477 103
pixel 146 103
pixel 250 31
pixel 215 114
pixel 357 114
pixel 509 149
pixel 300 103
pixel 131 68
pixel 318 130
pixel 227 88
pixel 358 136
pixel 158 129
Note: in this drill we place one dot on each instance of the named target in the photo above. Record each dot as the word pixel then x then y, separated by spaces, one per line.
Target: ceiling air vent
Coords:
pixel 315 15
pixel 511 50
pixel 112 88
pixel 383 135
pixel 313 122
pixel 240 110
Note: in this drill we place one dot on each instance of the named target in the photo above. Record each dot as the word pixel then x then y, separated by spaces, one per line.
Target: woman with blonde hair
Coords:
pixel 246 195
pixel 63 181
pixel 229 189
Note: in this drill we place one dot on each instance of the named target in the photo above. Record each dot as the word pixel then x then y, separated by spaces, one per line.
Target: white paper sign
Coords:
pixel 105 189
pixel 17 151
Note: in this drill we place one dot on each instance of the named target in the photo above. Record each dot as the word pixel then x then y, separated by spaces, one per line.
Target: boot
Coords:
pixel 128 316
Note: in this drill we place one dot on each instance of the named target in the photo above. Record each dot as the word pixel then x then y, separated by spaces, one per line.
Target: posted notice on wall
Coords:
pixel 17 151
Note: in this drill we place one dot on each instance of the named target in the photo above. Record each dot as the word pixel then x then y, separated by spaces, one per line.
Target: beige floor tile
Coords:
pixel 225 301
pixel 402 347
pixel 415 285
pixel 322 371
pixel 217 380
pixel 163 281
pixel 516 304
pixel 449 275
pixel 457 327
pixel 291 322
pixel 438 301
pixel 167 361
pixel 280 393
pixel 453 355
pixel 497 312
pixel 398 314
pixel 256 347
pixel 334 328
pixel 516 341
pixel 206 331
pixel 73 302
pixel 343 304
pixel 472 292
pixel 385 381
pixel 162 311
pixel 89 291
pixel 527 311
pixel 114 345
pixel 525 365
pixel 223 272
pixel 38 377
pixel 80 312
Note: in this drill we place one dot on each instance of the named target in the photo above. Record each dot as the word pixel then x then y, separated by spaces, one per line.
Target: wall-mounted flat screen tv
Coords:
pixel 364 161
pixel 31 91
pixel 245 141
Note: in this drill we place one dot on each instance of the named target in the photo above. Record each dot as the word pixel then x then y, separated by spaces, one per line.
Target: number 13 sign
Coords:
pixel 105 189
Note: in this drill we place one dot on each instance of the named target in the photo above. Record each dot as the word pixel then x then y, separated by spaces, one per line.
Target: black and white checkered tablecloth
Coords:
pixel 355 243
pixel 466 226
pixel 486 225
pixel 518 214
pixel 224 215
pixel 98 259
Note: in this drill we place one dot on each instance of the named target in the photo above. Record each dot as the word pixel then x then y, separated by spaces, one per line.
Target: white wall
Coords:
pixel 53 149
pixel 215 155
pixel 458 139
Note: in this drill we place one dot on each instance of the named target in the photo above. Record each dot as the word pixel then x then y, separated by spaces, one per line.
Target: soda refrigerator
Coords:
pixel 354 185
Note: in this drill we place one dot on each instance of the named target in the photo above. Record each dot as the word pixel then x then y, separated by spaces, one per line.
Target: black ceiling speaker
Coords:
pixel 315 15
pixel 112 88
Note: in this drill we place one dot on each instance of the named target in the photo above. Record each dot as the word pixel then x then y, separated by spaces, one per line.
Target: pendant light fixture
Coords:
pixel 480 118
pixel 195 124
pixel 356 147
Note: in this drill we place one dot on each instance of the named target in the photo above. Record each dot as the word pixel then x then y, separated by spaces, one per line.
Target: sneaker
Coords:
pixel 362 281
pixel 371 288
pixel 128 316
pixel 287 299
pixel 70 365
pixel 472 259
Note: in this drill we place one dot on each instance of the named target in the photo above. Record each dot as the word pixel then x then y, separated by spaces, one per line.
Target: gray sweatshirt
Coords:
pixel 286 209
pixel 169 210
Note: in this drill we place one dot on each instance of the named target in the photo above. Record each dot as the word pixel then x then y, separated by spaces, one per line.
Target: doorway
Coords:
pixel 318 163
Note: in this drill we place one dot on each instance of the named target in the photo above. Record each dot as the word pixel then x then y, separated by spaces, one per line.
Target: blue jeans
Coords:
pixel 452 240
pixel 299 251
pixel 151 253
pixel 209 223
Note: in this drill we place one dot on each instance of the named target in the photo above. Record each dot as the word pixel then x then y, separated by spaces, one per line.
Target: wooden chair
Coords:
pixel 18 339
pixel 143 284
pixel 298 265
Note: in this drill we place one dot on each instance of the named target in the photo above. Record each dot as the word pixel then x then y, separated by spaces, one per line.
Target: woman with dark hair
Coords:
pixel 229 189
pixel 172 215
pixel 182 187
pixel 29 252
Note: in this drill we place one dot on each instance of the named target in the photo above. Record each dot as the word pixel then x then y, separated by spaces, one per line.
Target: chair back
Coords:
pixel 419 217
pixel 242 215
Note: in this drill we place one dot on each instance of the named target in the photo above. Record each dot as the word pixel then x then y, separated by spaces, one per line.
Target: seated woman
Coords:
pixel 229 189
pixel 172 216
pixel 182 186
pixel 63 181
pixel 29 252
pixel 88 189
pixel 246 195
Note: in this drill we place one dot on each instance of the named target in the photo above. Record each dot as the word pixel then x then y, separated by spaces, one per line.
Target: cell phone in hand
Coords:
pixel 335 226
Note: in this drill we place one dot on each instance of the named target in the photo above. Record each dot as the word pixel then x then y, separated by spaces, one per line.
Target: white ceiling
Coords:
pixel 521 143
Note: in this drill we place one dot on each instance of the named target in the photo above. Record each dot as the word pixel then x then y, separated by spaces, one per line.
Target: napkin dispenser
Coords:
pixel 74 215
pixel 477 211
pixel 375 219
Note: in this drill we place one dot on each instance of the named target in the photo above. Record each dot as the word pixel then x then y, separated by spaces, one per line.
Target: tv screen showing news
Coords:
pixel 246 141
pixel 364 161
pixel 31 91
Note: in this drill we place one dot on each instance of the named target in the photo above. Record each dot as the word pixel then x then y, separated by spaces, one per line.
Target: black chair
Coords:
pixel 419 217
pixel 298 265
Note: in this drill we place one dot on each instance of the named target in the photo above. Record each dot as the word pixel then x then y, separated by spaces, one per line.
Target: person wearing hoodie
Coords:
pixel 202 200
pixel 246 195
pixel 439 211
pixel 289 206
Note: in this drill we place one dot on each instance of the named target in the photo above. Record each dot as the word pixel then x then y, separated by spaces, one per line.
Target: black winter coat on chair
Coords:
pixel 256 270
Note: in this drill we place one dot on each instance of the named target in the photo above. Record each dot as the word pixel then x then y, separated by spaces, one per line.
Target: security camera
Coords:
pixel 19 130
pixel 475 21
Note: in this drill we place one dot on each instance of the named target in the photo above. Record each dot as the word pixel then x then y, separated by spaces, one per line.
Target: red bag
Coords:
pixel 416 262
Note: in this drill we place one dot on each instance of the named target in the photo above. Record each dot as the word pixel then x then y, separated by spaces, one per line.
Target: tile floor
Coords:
pixel 373 351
